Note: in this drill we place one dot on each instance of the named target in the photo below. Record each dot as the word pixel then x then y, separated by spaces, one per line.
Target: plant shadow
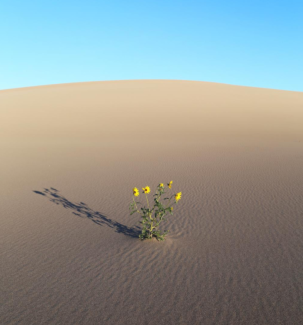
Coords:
pixel 83 211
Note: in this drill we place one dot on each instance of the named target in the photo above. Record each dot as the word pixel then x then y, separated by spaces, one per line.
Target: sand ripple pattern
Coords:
pixel 69 250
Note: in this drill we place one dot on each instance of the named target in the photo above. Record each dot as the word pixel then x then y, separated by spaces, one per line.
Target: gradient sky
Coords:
pixel 253 43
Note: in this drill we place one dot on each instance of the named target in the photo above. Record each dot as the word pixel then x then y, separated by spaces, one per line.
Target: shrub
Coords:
pixel 151 218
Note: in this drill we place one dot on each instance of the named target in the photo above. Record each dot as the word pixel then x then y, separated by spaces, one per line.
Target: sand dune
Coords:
pixel 70 155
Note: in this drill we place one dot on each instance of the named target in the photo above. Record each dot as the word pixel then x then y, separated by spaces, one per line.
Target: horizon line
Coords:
pixel 118 80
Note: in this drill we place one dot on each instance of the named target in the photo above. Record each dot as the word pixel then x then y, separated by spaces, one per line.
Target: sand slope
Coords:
pixel 70 155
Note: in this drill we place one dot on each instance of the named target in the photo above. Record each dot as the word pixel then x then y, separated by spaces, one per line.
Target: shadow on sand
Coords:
pixel 83 211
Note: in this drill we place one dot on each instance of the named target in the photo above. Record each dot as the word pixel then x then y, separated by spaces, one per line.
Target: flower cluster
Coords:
pixel 151 218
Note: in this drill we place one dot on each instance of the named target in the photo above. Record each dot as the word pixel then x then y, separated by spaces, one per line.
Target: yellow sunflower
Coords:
pixel 135 191
pixel 178 196
pixel 170 184
pixel 146 189
pixel 161 185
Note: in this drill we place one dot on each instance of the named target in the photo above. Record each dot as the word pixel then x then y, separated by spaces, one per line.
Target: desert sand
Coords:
pixel 70 156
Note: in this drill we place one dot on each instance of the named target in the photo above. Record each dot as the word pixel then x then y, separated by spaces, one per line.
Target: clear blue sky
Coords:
pixel 254 43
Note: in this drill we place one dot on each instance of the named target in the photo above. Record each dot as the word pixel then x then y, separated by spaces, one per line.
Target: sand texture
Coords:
pixel 70 156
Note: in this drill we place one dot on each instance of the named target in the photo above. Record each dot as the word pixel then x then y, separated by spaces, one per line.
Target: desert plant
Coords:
pixel 151 218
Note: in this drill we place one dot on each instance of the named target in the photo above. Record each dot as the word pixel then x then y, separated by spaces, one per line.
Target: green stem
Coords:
pixel 148 208
pixel 169 201
pixel 147 200
pixel 151 229
pixel 136 205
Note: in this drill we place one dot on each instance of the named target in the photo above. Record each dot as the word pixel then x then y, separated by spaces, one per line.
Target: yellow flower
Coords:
pixel 169 184
pixel 135 191
pixel 178 196
pixel 171 209
pixel 161 185
pixel 146 189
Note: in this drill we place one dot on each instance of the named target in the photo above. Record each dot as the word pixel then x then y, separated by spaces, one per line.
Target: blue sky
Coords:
pixel 252 43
